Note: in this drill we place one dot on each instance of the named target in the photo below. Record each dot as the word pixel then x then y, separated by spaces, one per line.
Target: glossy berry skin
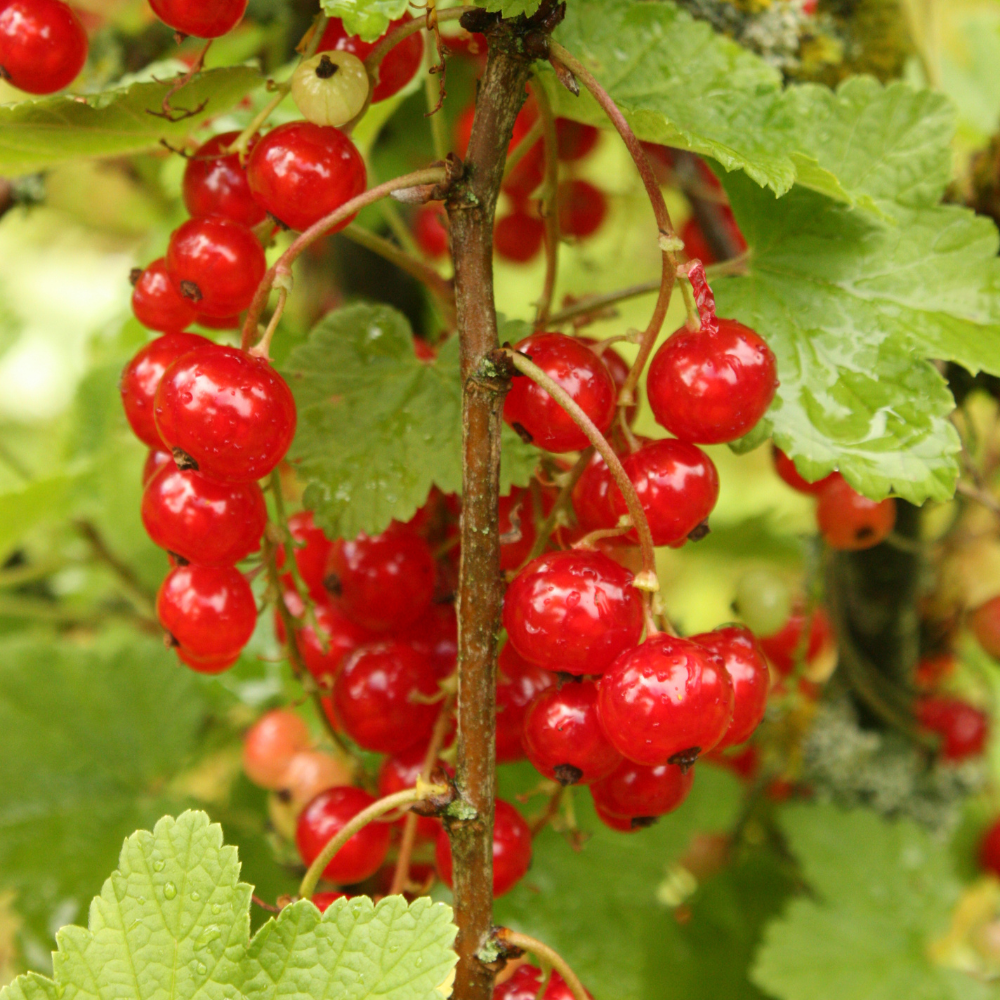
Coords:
pixel 201 520
pixel 398 67
pixel 216 265
pixel 324 817
pixel 624 824
pixel 849 521
pixel 42 45
pixel 785 468
pixel 577 370
pixel 385 582
pixel 142 376
pixel 592 495
pixel 201 18
pixel 155 460
pixel 985 625
pixel 516 508
pixel 573 611
pixel 209 610
pixel 989 850
pixel 635 790
pixel 736 649
pixel 301 172
pixel 270 744
pixel 582 208
pixel 225 414
pixel 574 140
pixel 527 981
pixel 678 487
pixel 323 900
pixel 712 386
pixel 311 551
pixel 206 664
pixel 518 236
pixel 665 701
pixel 374 697
pixel 399 772
pixel 518 683
pixel 617 366
pixel 435 635
pixel 963 728
pixel 215 183
pixel 330 88
pixel 157 303
pixel 511 850
pixel 563 738
pixel 430 231
pixel 782 648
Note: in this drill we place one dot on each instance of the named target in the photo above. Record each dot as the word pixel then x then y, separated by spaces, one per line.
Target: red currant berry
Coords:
pixel 665 702
pixel 526 982
pixel 849 521
pixel 385 582
pixel 155 460
pixel 518 682
pixel 396 70
pixel 574 140
pixel 511 850
pixel 985 625
pixel 518 236
pixel 696 247
pixel 785 468
pixel 517 528
pixel 302 172
pixel 735 648
pixel 573 611
pixel 218 322
pixel 435 635
pixel 785 647
pixel 624 824
pixel 617 366
pixel 383 697
pixel 430 230
pixel 216 265
pixel 206 664
pixel 933 669
pixel 989 850
pixel 225 414
pixel 712 385
pixel 202 521
pixel 215 183
pixel 142 376
pixel 201 18
pixel 400 772
pixel 157 303
pixel 42 45
pixel 563 738
pixel 325 817
pixel 582 208
pixel 323 900
pixel 592 496
pixel 963 728
pixel 311 549
pixel 635 790
pixel 209 610
pixel 677 486
pixel 530 410
pixel 310 772
pixel 270 744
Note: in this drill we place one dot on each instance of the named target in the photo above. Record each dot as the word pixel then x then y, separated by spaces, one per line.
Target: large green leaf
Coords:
pixel 367 18
pixel 37 134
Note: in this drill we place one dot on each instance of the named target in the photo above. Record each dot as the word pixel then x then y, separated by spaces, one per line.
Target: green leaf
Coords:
pixel 881 892
pixel 595 906
pixel 378 427
pixel 510 8
pixel 38 134
pixel 23 509
pixel 367 18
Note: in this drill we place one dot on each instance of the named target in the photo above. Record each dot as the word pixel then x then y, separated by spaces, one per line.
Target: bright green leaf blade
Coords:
pixel 367 18
pixel 884 890
pixel 35 135
pixel 378 427
pixel 24 508
pixel 356 950
pixel 31 987
pixel 511 8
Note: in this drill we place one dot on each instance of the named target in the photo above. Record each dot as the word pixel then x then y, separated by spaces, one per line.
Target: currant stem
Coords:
pixel 263 346
pixel 597 303
pixel 546 954
pixel 562 501
pixel 521 149
pixel 550 209
pixel 391 802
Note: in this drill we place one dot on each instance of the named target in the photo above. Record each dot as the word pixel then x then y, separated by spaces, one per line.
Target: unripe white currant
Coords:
pixel 331 88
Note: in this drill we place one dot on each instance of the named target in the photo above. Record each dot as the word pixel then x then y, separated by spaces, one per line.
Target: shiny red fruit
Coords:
pixel 635 790
pixel 617 366
pixel 665 702
pixel 226 414
pixel 783 648
pixel 574 140
pixel 518 236
pixel 328 814
pixel 435 635
pixel 396 70
pixel 989 850
pixel 849 521
pixel 735 648
pixel 155 460
pixel 430 230
pixel 201 18
pixel 216 265
pixel 563 738
pixel 517 528
pixel 385 582
pixel 201 520
pixel 531 411
pixel 518 682
pixel 963 728
pixel 678 487
pixel 215 183
pixel 511 850
pixel 209 610
pixel 142 376
pixel 592 495
pixel 270 744
pixel 399 772
pixel 785 468
pixel 157 303
pixel 301 172
pixel 573 611
pixel 712 386
pixel 206 664
pixel 311 549
pixel 985 625
pixel 42 45
pixel 624 824
pixel 382 697
pixel 582 208
pixel 323 900
pixel 527 981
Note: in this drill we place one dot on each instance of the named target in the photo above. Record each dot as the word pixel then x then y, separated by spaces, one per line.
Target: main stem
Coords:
pixel 471 205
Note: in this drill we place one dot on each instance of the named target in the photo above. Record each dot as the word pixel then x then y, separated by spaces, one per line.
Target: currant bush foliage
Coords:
pixel 173 922
pixel 377 426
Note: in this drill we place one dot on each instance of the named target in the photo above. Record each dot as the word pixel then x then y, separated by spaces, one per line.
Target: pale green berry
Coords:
pixel 330 88
pixel 763 601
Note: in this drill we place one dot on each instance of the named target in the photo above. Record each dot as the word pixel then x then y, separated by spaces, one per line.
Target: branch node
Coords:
pixel 670 242
pixel 565 76
pixel 647 581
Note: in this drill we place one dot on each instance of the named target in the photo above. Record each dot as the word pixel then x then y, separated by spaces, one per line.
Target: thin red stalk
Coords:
pixel 550 206
pixel 403 31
